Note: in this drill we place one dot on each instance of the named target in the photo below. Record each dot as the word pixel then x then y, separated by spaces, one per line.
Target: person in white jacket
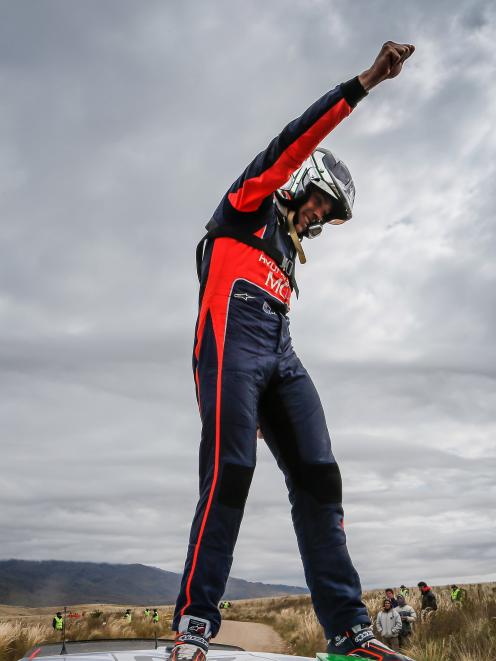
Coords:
pixel 388 624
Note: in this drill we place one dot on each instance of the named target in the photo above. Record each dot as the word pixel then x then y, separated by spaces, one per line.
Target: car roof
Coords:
pixel 139 650
pixel 97 645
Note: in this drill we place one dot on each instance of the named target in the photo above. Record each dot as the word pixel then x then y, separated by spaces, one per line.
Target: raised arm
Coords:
pixel 273 166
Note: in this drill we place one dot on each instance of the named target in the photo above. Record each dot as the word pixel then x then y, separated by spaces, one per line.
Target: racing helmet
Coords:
pixel 327 172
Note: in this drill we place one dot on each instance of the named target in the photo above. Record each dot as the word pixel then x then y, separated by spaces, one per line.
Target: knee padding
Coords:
pixel 323 481
pixel 235 484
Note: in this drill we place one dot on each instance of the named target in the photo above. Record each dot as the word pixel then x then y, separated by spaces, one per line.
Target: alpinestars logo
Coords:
pixel 193 639
pixel 196 626
pixel 243 296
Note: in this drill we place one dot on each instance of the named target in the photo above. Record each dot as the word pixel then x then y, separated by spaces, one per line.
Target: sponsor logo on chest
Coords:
pixel 275 280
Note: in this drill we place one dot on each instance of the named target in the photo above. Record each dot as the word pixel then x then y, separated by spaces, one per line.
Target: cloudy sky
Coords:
pixel 122 123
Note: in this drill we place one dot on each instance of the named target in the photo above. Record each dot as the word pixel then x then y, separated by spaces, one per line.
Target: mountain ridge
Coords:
pixel 39 583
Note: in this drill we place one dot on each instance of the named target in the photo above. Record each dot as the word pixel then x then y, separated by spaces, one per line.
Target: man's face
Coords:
pixel 389 594
pixel 317 207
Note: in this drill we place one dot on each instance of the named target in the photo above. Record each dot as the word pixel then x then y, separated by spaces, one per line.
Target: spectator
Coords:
pixel 390 595
pixel 155 616
pixel 128 615
pixel 457 594
pixel 58 622
pixel 408 617
pixel 404 591
pixel 429 601
pixel 146 612
pixel 388 624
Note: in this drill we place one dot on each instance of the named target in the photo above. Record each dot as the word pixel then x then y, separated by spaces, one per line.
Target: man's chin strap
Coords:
pixel 295 238
pixel 289 215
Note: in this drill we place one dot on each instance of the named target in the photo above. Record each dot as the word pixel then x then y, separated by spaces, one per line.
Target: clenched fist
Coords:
pixel 387 64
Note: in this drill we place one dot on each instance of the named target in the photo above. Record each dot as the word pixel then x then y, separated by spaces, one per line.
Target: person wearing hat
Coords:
pixel 58 622
pixel 429 600
pixel 408 617
pixel 457 595
pixel 388 624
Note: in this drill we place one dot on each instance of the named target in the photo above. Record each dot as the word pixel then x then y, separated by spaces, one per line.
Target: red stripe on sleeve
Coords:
pixel 253 191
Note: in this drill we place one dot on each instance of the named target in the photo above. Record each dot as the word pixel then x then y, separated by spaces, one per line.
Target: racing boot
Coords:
pixel 360 643
pixel 192 638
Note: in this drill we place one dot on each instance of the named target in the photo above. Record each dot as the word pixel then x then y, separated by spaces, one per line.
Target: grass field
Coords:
pixel 22 628
pixel 454 633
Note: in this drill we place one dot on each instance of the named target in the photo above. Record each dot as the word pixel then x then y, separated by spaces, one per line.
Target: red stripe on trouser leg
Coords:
pixel 218 328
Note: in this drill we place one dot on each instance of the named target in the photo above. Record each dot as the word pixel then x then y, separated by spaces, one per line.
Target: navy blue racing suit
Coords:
pixel 246 372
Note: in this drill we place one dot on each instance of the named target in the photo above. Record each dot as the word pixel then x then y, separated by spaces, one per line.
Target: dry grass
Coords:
pixel 453 633
pixel 19 635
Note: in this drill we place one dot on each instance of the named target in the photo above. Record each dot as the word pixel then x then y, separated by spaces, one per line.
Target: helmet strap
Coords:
pixel 295 238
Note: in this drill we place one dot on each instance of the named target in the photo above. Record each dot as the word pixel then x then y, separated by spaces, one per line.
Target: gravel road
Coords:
pixel 250 636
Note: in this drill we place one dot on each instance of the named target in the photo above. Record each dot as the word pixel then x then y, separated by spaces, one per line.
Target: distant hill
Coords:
pixel 56 583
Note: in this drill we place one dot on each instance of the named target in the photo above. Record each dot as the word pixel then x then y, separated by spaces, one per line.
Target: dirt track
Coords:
pixel 250 636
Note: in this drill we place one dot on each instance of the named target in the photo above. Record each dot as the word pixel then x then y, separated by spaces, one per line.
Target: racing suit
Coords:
pixel 246 372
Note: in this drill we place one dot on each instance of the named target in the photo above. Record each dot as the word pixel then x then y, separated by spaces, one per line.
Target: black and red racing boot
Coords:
pixel 191 643
pixel 360 643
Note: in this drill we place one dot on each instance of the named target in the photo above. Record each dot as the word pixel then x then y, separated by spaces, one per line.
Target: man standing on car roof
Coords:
pixel 246 372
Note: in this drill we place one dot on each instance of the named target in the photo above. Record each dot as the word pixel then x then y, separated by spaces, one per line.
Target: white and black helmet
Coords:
pixel 327 172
